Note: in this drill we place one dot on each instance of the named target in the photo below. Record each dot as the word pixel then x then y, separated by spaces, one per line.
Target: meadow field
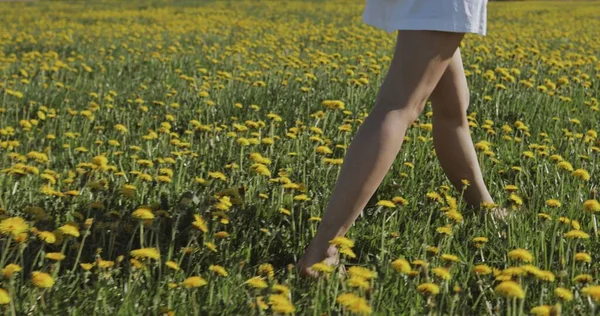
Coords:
pixel 174 158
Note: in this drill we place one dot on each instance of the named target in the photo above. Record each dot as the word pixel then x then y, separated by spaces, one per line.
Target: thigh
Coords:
pixel 420 58
pixel 451 94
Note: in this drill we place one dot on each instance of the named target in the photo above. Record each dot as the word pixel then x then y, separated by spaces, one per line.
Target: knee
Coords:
pixel 452 107
pixel 405 105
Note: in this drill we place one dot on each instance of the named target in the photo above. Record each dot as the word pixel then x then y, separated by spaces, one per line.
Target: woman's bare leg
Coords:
pixel 451 136
pixel 420 59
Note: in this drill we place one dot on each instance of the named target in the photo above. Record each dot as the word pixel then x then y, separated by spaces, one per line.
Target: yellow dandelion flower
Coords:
pixel 358 282
pixel 105 264
pixel 454 215
pixel 399 200
pixel 446 230
pixel 450 258
pixel 100 161
pixel 10 270
pixel 564 220
pixel 553 203
pixel 13 226
pixel 428 289
pixel 583 278
pixel 512 271
pixel 69 230
pixel 510 289
pixel 520 254
pixel 301 197
pixel 503 277
pixel 173 265
pixel 347 298
pixel 281 289
pixel 591 206
pixel 581 174
pixel 576 234
pixel 145 253
pixel 4 297
pixel 266 269
pixel 528 154
pixel 480 240
pixel 563 294
pixel 281 304
pixel 211 246
pixel 347 252
pixel 218 270
pixel 386 203
pixel 516 199
pixel 221 234
pixel 136 263
pixel 199 223
pixel 194 282
pixel 323 150
pixel 401 266
pixel 47 237
pixel 583 257
pixel 433 250
pixel 544 216
pixel 41 279
pixel 322 267
pixel 224 203
pixel 482 269
pixel 362 272
pixel 121 128
pixel 354 303
pixel 56 256
pixel 261 169
pixel 86 266
pixel 545 275
pixel 257 283
pixel 442 273
pixel 565 165
pixel 217 175
pixel 434 196
pixel 593 292
pixel 542 310
pixel 420 263
pixel 342 241
pixel 557 158
pixel 527 269
pixel 143 214
pixel 163 178
pixel 260 303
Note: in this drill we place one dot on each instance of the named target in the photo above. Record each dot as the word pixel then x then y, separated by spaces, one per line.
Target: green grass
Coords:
pixel 137 54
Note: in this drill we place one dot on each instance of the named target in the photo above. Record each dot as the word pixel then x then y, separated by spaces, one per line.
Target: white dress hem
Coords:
pixel 427 24
pixel 461 16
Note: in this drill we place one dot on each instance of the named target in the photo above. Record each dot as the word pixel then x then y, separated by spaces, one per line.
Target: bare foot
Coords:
pixel 499 214
pixel 499 217
pixel 330 257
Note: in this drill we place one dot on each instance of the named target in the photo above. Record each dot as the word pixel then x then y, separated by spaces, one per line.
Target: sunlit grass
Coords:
pixel 173 158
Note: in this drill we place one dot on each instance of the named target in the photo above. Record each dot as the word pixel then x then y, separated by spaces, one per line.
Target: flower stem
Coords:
pixel 79 252
pixel 5 252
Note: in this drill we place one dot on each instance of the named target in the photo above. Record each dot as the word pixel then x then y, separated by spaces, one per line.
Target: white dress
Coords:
pixel 464 16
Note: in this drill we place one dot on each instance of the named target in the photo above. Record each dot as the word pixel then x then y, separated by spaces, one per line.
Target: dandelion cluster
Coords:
pixel 171 158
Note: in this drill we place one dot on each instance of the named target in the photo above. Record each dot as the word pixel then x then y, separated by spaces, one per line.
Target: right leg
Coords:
pixel 420 59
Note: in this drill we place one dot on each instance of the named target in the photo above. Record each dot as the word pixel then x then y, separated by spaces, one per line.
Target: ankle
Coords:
pixel 314 254
pixel 331 251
